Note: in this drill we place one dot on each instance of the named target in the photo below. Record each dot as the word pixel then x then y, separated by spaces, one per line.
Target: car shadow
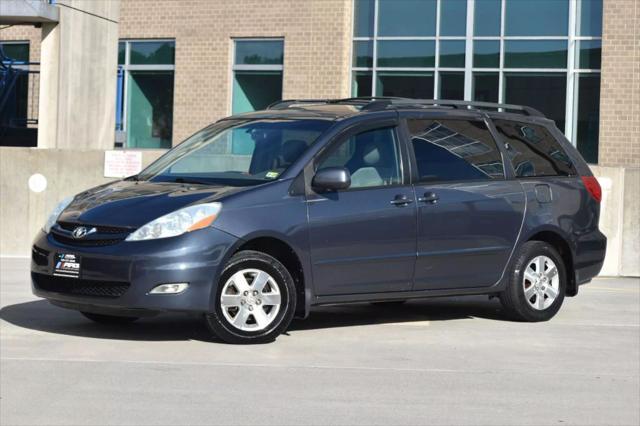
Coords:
pixel 40 315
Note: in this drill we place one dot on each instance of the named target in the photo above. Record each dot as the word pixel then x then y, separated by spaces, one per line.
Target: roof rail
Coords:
pixel 381 102
pixel 469 105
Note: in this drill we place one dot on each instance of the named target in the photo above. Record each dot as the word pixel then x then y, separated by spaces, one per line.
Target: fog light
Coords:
pixel 169 288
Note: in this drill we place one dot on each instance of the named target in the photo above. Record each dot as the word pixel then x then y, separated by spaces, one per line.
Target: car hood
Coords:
pixel 132 204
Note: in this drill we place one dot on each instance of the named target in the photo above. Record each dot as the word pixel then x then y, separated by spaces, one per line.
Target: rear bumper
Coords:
pixel 195 258
pixel 590 252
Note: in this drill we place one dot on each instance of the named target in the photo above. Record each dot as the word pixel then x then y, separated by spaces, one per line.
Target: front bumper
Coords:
pixel 196 258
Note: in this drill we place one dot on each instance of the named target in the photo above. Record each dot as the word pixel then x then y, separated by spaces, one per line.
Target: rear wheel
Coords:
pixel 538 283
pixel 109 319
pixel 255 300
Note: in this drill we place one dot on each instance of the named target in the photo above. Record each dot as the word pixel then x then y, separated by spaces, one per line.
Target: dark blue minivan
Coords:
pixel 259 217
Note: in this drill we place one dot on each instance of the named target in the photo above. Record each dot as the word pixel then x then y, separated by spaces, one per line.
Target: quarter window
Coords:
pixel 452 150
pixel 372 158
pixel 533 151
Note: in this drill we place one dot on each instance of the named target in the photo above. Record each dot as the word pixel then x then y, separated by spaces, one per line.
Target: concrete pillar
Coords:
pixel 78 76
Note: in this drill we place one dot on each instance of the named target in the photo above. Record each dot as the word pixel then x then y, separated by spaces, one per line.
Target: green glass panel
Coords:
pixel 590 18
pixel 589 54
pixel 361 85
pixel 259 52
pixel 452 85
pixel 149 109
pixel 405 84
pixel 255 90
pixel 486 54
pixel 588 119
pixel 407 18
pixel 363 54
pixel 406 53
pixel 486 21
pixel 537 17
pixel 453 18
pixel 485 87
pixel 363 18
pixel 452 53
pixel 152 53
pixel 16 51
pixel 122 51
pixel 546 92
pixel 535 54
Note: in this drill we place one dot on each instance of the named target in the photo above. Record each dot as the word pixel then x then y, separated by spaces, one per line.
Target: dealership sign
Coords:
pixel 119 164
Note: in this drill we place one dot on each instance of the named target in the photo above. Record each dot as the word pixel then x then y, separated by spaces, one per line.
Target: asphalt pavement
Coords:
pixel 438 361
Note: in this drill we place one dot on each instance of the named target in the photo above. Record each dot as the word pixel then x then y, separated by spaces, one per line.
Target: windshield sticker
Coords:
pixel 272 175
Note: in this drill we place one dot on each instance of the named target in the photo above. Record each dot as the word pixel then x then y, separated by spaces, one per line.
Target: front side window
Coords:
pixel 454 150
pixel 144 99
pixel 372 158
pixel 533 151
pixel 212 156
pixel 257 74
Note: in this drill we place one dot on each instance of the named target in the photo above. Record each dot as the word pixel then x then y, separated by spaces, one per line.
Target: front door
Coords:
pixel 469 216
pixel 363 239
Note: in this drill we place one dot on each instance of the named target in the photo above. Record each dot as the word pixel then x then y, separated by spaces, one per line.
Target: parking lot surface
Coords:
pixel 438 361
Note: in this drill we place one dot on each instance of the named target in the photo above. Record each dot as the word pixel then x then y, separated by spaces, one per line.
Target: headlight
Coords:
pixel 53 217
pixel 177 223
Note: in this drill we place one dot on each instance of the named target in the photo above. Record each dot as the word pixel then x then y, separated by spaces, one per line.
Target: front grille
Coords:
pixel 100 229
pixel 85 243
pixel 104 235
pixel 81 287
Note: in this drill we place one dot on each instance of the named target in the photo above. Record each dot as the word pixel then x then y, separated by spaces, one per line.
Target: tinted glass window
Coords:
pixel 254 52
pixel 533 151
pixel 487 18
pixel 407 18
pixel 372 158
pixel 448 150
pixel 152 52
pixel 485 86
pixel 406 53
pixel 452 53
pixel 417 85
pixel 590 22
pixel 453 18
pixel 535 54
pixel 537 18
pixel 486 53
pixel 362 54
pixel 452 85
pixel 363 17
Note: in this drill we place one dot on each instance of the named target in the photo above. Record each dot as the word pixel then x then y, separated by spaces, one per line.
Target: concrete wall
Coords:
pixel 620 219
pixel 77 76
pixel 67 172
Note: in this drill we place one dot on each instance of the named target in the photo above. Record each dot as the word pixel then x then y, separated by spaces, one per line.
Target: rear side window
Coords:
pixel 533 151
pixel 448 150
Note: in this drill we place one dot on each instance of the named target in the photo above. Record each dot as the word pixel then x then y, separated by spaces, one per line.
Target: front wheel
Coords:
pixel 538 283
pixel 255 299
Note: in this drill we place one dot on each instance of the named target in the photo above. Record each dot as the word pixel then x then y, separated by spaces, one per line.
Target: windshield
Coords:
pixel 237 152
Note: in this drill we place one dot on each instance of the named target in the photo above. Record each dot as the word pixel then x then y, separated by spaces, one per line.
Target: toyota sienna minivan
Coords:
pixel 259 217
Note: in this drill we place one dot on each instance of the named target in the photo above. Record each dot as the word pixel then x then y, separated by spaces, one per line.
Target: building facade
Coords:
pixel 175 67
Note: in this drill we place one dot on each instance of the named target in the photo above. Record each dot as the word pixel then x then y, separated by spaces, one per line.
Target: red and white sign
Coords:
pixel 119 164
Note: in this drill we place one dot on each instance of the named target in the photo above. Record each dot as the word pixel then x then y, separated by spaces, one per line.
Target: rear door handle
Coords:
pixel 429 197
pixel 401 200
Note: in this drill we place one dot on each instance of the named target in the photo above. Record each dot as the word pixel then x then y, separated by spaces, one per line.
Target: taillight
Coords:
pixel 592 185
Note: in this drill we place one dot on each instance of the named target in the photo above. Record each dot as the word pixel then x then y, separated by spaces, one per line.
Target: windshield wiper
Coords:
pixel 189 180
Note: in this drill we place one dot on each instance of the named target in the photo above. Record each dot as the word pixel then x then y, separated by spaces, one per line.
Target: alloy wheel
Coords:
pixel 541 282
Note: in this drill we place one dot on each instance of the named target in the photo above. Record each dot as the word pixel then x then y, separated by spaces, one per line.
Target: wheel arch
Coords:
pixel 561 244
pixel 285 254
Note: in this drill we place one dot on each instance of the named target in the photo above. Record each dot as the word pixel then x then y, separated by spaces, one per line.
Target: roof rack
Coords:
pixel 383 102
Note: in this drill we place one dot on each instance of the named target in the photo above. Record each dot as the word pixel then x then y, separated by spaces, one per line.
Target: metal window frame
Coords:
pixel 571 70
pixel 127 67
pixel 252 67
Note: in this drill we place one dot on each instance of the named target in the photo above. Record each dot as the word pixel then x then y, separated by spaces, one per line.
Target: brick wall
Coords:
pixel 620 87
pixel 32 35
pixel 317 36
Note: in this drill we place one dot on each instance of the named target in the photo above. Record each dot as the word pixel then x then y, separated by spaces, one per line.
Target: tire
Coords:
pixel 109 319
pixel 529 296
pixel 253 283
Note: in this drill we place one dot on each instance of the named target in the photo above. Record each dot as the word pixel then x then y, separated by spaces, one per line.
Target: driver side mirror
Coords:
pixel 331 179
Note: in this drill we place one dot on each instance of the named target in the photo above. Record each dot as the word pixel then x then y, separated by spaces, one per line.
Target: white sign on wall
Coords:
pixel 119 164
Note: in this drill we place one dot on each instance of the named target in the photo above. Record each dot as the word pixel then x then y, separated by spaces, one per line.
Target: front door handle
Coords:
pixel 429 197
pixel 401 200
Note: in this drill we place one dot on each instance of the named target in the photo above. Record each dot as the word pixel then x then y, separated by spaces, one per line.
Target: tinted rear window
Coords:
pixel 533 151
pixel 448 150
